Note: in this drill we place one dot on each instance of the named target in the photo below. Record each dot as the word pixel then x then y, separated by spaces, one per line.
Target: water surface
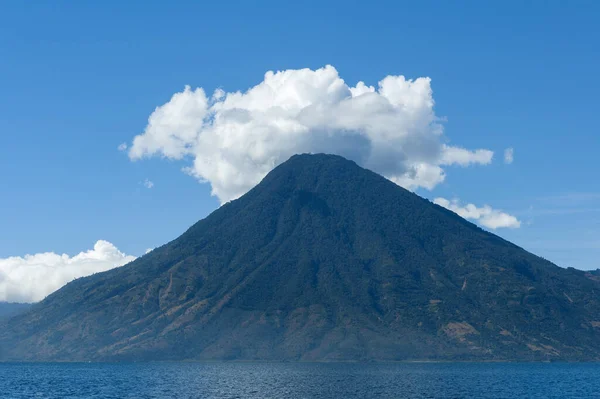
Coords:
pixel 299 380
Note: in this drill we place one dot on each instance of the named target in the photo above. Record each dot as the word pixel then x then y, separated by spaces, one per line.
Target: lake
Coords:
pixel 299 380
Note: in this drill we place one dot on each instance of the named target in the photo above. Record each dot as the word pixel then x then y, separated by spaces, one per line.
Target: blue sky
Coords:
pixel 80 78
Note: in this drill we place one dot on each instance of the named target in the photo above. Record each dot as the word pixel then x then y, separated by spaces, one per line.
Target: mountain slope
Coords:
pixel 9 309
pixel 323 260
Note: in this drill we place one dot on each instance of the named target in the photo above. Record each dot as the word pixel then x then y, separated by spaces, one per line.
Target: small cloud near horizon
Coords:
pixel 509 155
pixel 31 278
pixel 485 215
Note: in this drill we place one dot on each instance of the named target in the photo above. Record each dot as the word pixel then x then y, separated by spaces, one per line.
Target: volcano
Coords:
pixel 321 261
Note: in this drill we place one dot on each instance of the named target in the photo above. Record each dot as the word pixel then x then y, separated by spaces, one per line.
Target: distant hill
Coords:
pixel 323 260
pixel 8 309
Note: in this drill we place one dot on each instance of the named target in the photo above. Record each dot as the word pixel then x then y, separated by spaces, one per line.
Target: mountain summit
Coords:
pixel 323 260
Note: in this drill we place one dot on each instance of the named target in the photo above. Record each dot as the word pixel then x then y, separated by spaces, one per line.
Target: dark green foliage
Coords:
pixel 323 260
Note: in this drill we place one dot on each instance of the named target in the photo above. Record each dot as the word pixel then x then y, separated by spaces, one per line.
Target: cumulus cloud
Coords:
pixel 148 183
pixel 122 147
pixel 32 277
pixel 235 138
pixel 509 155
pixel 485 216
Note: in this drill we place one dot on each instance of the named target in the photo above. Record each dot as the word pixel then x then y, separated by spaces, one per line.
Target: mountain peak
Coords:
pixel 318 157
pixel 315 166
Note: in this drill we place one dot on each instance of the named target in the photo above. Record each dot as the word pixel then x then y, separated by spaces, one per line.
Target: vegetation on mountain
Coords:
pixel 323 260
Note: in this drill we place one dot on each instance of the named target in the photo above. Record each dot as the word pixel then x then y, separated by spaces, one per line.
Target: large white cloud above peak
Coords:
pixel 33 277
pixel 235 139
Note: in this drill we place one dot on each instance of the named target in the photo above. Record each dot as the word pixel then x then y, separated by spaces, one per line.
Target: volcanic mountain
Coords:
pixel 323 260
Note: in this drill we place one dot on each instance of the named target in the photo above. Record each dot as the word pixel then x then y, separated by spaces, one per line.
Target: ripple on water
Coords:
pixel 299 380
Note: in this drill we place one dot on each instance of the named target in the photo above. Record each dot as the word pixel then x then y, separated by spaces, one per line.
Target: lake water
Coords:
pixel 299 380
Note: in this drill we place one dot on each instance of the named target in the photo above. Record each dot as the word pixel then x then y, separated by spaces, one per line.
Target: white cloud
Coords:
pixel 509 155
pixel 236 138
pixel 32 277
pixel 148 183
pixel 122 147
pixel 485 216
pixel 463 157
